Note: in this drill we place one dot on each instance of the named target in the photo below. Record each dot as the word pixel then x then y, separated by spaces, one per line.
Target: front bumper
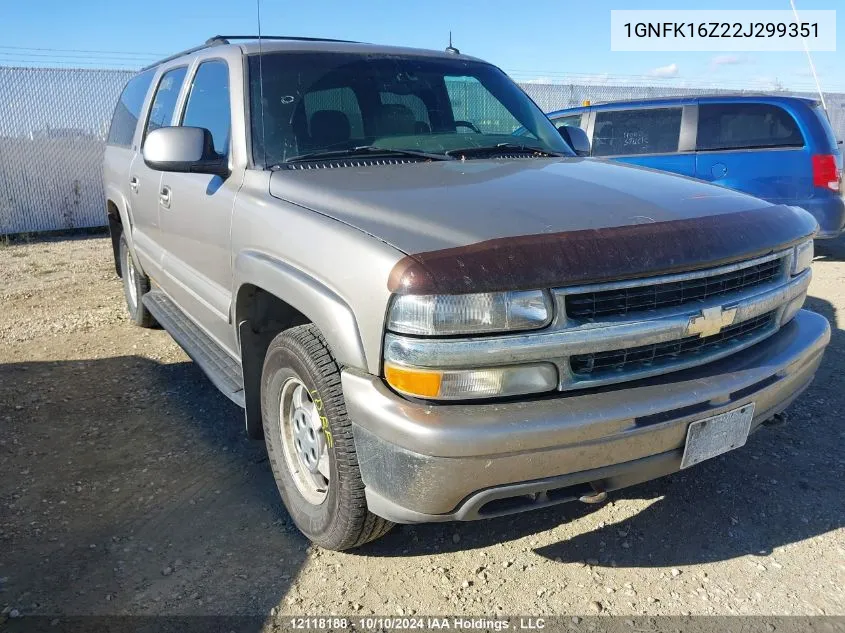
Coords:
pixel 424 462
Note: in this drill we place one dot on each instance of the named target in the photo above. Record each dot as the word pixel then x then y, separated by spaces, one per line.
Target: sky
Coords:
pixel 540 40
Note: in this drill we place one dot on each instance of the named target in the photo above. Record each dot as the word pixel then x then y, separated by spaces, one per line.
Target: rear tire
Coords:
pixel 135 285
pixel 309 442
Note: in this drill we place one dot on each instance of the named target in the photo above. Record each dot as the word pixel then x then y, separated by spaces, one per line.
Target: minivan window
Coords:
pixel 730 126
pixel 572 120
pixel 386 101
pixel 128 109
pixel 164 102
pixel 208 103
pixel 639 131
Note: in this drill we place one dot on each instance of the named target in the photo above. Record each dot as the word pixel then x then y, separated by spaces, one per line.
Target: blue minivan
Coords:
pixel 781 149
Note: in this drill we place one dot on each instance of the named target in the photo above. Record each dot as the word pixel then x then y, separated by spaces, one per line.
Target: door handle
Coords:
pixel 164 197
pixel 134 184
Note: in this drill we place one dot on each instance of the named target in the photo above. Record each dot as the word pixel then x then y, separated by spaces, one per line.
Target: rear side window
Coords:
pixel 726 126
pixel 642 131
pixel 164 102
pixel 208 103
pixel 128 109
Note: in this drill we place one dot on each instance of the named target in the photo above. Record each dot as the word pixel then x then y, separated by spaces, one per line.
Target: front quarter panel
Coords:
pixel 334 274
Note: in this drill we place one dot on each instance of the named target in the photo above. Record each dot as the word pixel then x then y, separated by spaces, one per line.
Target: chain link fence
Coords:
pixel 53 125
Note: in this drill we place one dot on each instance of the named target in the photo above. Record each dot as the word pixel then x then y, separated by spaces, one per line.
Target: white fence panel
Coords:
pixel 53 125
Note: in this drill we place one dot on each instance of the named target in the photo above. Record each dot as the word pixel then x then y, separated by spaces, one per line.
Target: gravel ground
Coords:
pixel 128 487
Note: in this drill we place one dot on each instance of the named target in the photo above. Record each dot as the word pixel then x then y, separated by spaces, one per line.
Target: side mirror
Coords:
pixel 185 150
pixel 576 138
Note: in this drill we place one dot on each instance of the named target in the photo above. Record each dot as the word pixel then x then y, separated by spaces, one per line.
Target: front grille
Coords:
pixel 636 298
pixel 634 359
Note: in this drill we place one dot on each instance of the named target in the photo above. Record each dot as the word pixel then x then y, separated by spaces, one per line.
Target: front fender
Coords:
pixel 319 303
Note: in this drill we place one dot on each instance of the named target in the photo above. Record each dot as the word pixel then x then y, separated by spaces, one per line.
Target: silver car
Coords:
pixel 426 316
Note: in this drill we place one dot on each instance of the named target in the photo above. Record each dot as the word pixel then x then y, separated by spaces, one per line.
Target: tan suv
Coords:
pixel 427 316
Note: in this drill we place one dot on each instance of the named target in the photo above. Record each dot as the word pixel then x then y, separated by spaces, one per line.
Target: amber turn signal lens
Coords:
pixel 415 382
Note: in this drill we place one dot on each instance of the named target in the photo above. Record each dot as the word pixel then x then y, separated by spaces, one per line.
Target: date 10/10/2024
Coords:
pixel 416 623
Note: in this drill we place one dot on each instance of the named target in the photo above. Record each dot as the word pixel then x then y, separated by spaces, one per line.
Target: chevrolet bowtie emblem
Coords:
pixel 711 321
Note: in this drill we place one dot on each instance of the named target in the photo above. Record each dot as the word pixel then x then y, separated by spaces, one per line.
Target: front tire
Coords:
pixel 310 445
pixel 135 285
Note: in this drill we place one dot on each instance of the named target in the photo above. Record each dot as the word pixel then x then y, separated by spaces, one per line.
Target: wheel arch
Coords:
pixel 271 296
pixel 116 228
pixel 119 222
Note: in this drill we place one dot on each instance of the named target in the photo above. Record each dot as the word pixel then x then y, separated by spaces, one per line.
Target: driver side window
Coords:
pixel 208 103
pixel 164 102
pixel 477 109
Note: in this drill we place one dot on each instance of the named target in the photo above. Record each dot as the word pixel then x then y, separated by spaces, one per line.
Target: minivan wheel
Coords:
pixel 135 285
pixel 310 445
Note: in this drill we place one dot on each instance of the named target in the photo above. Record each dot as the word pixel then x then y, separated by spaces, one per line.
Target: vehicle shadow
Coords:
pixel 783 487
pixel 130 488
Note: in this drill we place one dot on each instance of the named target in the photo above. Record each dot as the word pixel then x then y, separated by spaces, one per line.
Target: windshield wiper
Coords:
pixel 366 149
pixel 501 148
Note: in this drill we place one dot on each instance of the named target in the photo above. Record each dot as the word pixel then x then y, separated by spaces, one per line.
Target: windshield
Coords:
pixel 321 102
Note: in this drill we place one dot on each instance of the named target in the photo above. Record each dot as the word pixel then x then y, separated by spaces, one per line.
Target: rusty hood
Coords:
pixel 481 225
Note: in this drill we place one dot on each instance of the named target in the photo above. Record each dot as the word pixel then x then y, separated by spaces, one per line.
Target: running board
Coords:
pixel 221 369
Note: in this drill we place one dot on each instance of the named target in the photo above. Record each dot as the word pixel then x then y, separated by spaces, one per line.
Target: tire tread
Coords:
pixel 140 316
pixel 355 524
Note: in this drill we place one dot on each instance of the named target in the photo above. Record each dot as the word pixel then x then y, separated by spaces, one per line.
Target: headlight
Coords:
pixel 463 384
pixel 478 313
pixel 802 258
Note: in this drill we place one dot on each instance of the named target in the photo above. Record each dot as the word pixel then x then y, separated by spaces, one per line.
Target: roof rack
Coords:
pixel 222 40
pixel 226 39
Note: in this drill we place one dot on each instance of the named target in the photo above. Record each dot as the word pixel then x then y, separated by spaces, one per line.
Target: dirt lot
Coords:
pixel 128 487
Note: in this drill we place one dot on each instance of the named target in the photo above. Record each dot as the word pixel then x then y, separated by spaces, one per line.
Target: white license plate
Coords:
pixel 713 436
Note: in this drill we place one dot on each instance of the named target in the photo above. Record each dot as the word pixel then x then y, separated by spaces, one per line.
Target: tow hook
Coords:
pixel 599 496
pixel 779 419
